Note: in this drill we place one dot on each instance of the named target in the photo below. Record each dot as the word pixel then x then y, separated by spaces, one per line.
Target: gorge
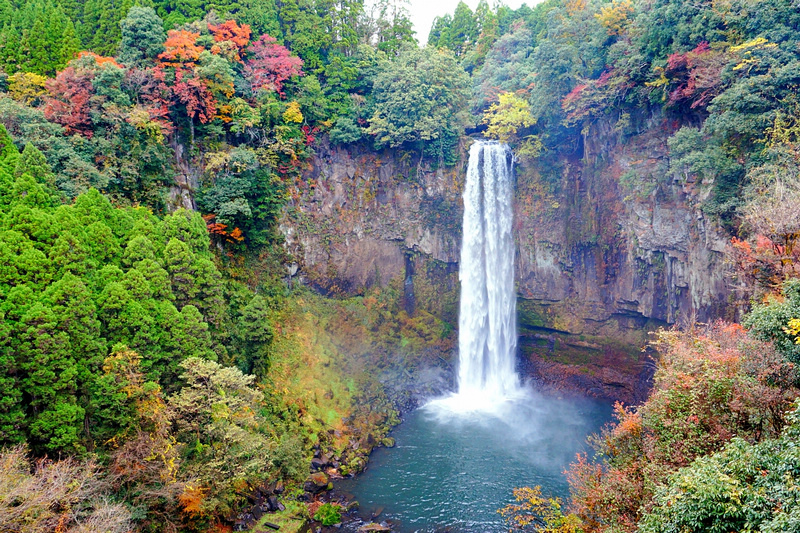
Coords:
pixel 241 242
pixel 597 266
pixel 458 457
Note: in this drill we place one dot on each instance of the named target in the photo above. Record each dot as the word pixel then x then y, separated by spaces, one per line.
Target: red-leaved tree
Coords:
pixel 270 65
pixel 67 102
pixel 195 97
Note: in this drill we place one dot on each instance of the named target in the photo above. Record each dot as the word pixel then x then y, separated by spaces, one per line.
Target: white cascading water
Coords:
pixel 487 328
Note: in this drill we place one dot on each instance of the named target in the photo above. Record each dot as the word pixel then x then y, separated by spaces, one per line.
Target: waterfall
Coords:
pixel 487 328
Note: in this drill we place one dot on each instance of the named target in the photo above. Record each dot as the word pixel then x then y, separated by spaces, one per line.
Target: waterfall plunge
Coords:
pixel 487 330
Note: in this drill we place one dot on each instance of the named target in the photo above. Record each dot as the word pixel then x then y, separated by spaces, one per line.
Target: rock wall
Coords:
pixel 610 244
pixel 369 218
pixel 609 240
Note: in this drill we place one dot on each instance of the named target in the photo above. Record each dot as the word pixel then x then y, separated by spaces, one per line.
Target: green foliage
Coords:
pixel 744 487
pixel 417 97
pixel 328 514
pixel 711 386
pixel 72 256
pixel 345 131
pixel 769 321
pixel 142 37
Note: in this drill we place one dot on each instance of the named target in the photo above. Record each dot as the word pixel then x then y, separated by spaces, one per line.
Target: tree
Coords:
pixel 712 385
pixel 418 97
pixel 33 162
pixel 67 102
pixel 181 49
pixel 769 321
pixel 504 118
pixel 34 495
pixel 463 31
pixel 745 486
pixel 256 327
pixel 230 32
pixel 270 65
pixel 507 68
pixel 217 410
pixel 143 37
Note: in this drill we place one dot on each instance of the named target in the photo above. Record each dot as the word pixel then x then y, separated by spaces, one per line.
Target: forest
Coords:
pixel 156 367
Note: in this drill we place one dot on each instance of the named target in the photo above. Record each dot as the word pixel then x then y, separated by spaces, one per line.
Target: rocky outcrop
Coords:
pixel 367 218
pixel 613 242
pixel 610 244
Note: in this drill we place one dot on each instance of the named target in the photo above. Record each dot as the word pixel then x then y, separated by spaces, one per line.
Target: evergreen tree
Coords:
pixel 142 37
pixel 33 162
pixel 11 408
pixel 70 44
pixel 10 42
pixel 463 31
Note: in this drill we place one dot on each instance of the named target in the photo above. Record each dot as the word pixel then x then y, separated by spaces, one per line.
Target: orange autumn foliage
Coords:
pixel 100 60
pixel 215 228
pixel 230 31
pixel 713 383
pixel 180 49
pixel 191 500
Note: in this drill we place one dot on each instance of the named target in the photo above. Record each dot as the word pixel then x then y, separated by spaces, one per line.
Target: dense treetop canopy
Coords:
pixel 148 149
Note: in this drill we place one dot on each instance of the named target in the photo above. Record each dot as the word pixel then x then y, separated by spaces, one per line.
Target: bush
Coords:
pixel 712 386
pixel 328 514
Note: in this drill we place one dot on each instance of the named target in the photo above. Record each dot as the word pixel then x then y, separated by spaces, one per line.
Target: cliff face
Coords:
pixel 609 239
pixel 369 218
pixel 609 243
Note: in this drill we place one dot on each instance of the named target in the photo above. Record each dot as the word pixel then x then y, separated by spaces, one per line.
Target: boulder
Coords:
pixel 316 483
pixel 272 504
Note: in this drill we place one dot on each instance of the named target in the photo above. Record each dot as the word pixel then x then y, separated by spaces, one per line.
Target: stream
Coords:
pixel 451 471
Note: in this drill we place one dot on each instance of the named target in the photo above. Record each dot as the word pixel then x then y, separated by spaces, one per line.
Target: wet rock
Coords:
pixel 351 506
pixel 372 527
pixel 316 483
pixel 279 488
pixel 272 504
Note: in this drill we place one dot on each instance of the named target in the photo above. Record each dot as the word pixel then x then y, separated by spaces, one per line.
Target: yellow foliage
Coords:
pixel 293 113
pixel 544 514
pixel 754 43
pixel 575 6
pixel 747 48
pixel 614 17
pixel 785 129
pixel 26 87
pixel 793 329
pixel 506 116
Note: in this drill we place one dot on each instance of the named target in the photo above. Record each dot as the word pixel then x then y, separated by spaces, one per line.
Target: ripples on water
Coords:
pixel 452 468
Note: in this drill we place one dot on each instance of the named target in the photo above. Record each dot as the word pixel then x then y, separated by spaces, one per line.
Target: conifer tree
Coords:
pixel 33 162
pixel 70 44
pixel 142 37
pixel 10 43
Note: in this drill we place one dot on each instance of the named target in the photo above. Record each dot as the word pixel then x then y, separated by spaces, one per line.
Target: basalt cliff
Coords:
pixel 610 245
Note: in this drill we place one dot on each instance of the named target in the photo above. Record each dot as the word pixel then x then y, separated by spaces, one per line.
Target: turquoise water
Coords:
pixel 451 472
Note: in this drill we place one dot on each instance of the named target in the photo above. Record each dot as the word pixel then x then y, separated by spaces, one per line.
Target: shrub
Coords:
pixel 328 514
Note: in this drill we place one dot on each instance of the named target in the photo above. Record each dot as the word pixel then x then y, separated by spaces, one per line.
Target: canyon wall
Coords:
pixel 610 244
